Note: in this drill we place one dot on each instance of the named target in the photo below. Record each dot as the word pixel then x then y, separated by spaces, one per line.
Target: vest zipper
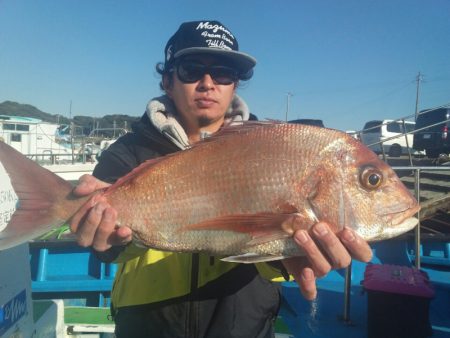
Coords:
pixel 193 301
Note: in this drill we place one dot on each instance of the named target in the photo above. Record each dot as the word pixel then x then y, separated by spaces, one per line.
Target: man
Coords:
pixel 165 294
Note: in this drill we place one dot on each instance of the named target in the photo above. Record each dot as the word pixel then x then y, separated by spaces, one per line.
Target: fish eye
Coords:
pixel 371 178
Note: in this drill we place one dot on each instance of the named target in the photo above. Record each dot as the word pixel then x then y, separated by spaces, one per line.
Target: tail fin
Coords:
pixel 43 198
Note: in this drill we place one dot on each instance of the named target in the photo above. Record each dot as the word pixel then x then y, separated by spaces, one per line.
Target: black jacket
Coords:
pixel 239 303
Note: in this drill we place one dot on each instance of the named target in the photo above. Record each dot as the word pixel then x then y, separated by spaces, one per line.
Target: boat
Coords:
pixel 58 148
pixel 35 139
pixel 102 138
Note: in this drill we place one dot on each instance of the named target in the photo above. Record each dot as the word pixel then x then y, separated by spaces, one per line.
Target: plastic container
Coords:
pixel 62 269
pixel 398 301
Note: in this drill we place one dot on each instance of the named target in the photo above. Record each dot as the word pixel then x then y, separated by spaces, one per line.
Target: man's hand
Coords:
pixel 324 250
pixel 95 223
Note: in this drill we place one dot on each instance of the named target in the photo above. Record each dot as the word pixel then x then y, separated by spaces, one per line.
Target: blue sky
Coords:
pixel 345 62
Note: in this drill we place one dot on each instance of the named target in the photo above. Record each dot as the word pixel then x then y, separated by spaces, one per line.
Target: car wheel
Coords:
pixel 395 150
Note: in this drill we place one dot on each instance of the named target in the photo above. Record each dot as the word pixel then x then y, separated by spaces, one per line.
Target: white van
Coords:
pixel 390 134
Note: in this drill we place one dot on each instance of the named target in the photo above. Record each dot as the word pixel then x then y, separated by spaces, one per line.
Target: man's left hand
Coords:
pixel 324 251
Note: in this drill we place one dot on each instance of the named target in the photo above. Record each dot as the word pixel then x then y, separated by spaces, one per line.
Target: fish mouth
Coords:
pixel 400 222
pixel 401 228
pixel 395 223
pixel 397 218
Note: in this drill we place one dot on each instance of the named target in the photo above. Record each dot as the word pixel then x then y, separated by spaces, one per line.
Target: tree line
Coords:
pixel 83 124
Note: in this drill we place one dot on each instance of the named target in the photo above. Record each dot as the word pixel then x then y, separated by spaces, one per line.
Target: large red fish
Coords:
pixel 240 194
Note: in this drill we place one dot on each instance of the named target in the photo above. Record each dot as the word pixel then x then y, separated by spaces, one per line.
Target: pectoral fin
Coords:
pixel 262 227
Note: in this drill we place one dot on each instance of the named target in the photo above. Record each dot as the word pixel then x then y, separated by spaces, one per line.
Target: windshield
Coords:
pixel 397 127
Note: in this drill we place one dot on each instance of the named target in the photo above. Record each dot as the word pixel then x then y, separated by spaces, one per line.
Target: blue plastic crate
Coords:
pixel 433 252
pixel 62 269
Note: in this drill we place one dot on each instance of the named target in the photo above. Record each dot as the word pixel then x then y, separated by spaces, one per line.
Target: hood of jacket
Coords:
pixel 163 116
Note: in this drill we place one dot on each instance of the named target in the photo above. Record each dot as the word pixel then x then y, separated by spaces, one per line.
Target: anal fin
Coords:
pixel 250 258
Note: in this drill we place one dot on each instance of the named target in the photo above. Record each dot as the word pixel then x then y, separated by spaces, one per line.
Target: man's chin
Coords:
pixel 204 121
pixel 208 120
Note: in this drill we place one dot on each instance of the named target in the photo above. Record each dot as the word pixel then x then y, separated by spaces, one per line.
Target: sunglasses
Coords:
pixel 191 71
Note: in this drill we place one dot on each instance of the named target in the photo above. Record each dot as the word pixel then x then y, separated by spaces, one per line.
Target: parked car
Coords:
pixel 353 133
pixel 311 122
pixel 432 132
pixel 389 134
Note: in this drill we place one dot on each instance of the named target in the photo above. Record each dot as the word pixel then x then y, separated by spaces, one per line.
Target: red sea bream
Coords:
pixel 240 193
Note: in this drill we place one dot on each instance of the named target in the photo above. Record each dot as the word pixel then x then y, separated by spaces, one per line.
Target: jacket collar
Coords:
pixel 162 114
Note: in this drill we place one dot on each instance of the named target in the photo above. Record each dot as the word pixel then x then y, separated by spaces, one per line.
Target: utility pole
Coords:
pixel 288 96
pixel 419 78
pixel 72 126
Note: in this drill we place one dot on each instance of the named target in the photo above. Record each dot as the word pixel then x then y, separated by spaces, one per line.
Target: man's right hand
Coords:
pixel 95 223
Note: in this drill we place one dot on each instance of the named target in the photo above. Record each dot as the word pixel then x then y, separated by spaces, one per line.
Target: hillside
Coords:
pixel 87 123
pixel 17 109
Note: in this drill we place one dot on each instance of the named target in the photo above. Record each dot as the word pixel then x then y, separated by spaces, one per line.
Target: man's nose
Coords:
pixel 206 82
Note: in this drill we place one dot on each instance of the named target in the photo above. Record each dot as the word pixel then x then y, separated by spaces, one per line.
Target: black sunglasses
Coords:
pixel 190 71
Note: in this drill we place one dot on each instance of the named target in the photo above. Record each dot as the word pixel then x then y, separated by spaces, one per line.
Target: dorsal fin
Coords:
pixel 239 128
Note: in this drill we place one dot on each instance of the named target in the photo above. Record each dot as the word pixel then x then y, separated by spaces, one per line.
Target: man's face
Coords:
pixel 198 94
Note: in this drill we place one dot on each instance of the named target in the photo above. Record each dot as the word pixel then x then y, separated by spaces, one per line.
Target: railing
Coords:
pixel 417 176
pixel 405 132
pixel 61 158
pixel 47 148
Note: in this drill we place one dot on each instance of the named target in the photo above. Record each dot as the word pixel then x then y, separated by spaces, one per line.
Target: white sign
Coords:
pixel 8 198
